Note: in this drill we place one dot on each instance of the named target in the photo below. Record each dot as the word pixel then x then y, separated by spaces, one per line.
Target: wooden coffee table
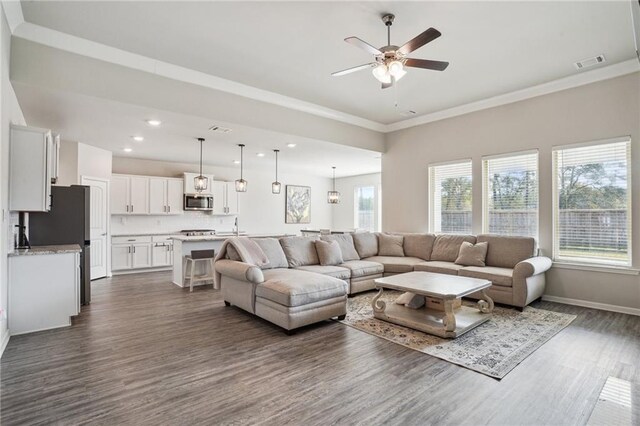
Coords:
pixel 449 322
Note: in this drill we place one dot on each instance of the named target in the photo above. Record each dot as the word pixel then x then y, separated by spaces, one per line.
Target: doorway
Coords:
pixel 99 224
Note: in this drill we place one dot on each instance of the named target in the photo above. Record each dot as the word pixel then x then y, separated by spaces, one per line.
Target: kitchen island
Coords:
pixel 183 245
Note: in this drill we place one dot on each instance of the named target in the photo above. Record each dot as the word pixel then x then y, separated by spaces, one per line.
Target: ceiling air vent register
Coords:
pixel 589 62
pixel 219 129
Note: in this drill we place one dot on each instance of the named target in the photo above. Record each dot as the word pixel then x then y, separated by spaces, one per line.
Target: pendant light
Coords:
pixel 200 182
pixel 241 184
pixel 333 197
pixel 275 186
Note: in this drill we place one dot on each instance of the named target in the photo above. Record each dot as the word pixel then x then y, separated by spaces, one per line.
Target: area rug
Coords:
pixel 493 348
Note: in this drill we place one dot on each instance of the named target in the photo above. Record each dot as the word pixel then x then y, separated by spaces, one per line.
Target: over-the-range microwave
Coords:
pixel 201 202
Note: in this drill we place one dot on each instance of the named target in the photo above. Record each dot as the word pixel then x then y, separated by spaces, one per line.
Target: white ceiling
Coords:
pixel 292 47
pixel 110 125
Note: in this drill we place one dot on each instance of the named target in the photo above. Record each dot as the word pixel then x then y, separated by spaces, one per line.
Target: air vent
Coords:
pixel 589 62
pixel 219 129
pixel 408 113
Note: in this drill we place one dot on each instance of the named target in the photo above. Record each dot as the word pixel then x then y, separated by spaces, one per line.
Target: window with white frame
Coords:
pixel 592 202
pixel 365 208
pixel 510 194
pixel 450 194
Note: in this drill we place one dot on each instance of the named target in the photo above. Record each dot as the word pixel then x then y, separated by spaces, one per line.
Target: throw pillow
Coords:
pixel 366 244
pixel 329 252
pixel 390 245
pixel 273 250
pixel 472 254
pixel 345 241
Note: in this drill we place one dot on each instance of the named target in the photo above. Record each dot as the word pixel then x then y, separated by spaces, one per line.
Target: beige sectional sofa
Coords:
pixel 294 289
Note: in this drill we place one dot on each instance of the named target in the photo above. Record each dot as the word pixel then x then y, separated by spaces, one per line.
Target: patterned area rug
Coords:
pixel 493 348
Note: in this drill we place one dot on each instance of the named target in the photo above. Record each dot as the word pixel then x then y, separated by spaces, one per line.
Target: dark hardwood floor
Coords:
pixel 148 352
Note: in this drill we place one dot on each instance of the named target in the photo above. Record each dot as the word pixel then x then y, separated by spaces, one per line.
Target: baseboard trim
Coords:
pixel 141 271
pixel 4 343
pixel 594 305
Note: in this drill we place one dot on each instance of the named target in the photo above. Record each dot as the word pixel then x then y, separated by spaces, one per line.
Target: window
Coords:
pixel 450 190
pixel 510 194
pixel 592 202
pixel 365 208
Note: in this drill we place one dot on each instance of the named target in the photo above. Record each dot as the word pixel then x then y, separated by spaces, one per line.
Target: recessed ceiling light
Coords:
pixel 154 123
pixel 291 145
pixel 260 154
pixel 127 149
pixel 137 138
pixel 236 161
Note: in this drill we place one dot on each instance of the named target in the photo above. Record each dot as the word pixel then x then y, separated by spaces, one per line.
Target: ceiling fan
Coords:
pixel 390 60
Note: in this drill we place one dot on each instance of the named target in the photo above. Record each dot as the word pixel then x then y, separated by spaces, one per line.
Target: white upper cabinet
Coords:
pixel 146 195
pixel 232 198
pixel 30 163
pixel 225 198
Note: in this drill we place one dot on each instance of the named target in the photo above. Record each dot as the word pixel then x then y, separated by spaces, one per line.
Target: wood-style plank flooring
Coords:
pixel 148 352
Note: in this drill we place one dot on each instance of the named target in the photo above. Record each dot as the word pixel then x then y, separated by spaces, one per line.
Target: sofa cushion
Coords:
pixel 418 245
pixel 439 267
pixel 506 252
pixel 345 241
pixel 362 268
pixel 292 287
pixel 366 244
pixel 273 250
pixel 329 252
pixel 300 251
pixel 330 270
pixel 498 276
pixel 390 245
pixel 472 254
pixel 395 264
pixel 447 247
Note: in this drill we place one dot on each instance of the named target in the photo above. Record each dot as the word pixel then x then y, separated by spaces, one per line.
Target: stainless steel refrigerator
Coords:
pixel 67 223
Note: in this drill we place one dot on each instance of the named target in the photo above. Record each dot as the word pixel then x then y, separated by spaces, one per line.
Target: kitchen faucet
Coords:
pixel 237 229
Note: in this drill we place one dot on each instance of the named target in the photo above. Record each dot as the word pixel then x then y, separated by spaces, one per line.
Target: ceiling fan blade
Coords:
pixel 389 84
pixel 353 69
pixel 419 41
pixel 363 45
pixel 426 64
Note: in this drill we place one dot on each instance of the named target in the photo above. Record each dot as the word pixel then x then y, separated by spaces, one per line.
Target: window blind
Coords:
pixel 592 202
pixel 450 192
pixel 365 205
pixel 510 188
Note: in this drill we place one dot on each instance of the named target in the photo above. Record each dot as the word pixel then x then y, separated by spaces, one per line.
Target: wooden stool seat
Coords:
pixel 204 257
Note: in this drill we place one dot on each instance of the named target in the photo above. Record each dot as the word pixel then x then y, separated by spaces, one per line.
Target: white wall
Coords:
pixel 10 112
pixel 596 111
pixel 344 213
pixel 78 159
pixel 260 210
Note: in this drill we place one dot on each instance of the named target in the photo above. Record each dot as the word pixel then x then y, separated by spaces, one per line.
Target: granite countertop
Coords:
pixel 224 237
pixel 42 250
pixel 141 234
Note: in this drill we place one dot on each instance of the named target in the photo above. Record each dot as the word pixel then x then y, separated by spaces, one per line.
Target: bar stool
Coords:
pixel 199 256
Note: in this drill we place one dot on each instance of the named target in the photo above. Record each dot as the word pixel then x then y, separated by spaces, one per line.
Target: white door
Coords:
pixel 141 255
pixel 232 198
pixel 119 194
pixel 121 256
pixel 174 196
pixel 139 195
pixel 157 196
pixel 98 224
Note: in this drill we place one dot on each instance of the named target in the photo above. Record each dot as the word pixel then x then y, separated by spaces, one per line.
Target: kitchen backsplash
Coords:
pixel 170 224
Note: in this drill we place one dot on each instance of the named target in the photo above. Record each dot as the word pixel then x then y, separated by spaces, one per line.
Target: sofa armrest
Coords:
pixel 532 266
pixel 239 270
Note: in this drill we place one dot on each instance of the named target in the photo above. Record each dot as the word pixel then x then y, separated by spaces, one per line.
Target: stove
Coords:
pixel 198 232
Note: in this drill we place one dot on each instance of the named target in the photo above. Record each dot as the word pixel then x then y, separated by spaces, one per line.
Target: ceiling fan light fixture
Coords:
pixel 381 73
pixel 396 69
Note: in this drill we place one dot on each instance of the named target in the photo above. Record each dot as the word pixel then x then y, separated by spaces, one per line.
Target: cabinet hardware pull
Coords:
pixel 131 208
pixel 169 207
pixel 127 208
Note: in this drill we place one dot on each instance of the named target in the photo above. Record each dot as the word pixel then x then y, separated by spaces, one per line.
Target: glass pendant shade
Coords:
pixel 275 187
pixel 333 197
pixel 200 183
pixel 241 184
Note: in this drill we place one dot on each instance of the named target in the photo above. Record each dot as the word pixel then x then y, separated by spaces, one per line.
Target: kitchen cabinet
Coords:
pixel 225 198
pixel 129 194
pixel 31 159
pixel 165 196
pixel 189 187
pixel 134 253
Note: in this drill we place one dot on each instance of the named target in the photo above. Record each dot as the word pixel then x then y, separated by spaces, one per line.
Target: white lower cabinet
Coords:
pixel 137 253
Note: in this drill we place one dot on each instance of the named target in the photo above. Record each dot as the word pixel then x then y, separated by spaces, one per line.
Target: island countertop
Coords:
pixel 224 237
pixel 43 250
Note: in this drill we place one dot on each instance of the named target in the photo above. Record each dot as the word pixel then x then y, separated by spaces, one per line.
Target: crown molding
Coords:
pixel 84 47
pixel 587 77
pixel 13 12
